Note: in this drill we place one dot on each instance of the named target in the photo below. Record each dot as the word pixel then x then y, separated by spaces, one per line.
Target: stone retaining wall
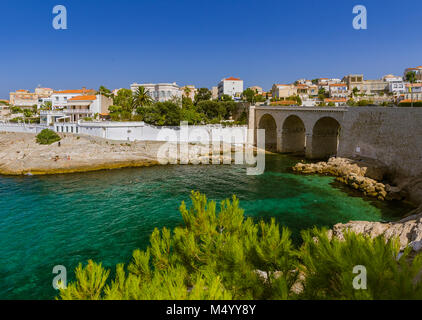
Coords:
pixel 390 135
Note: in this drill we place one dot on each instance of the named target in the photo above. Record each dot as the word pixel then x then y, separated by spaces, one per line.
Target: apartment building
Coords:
pixel 324 83
pixel 307 90
pixel 369 87
pixel 354 81
pixel 25 98
pixel 232 87
pixel 396 84
pixel 160 92
pixel 257 89
pixel 375 86
pixel 283 91
pixel 338 90
pixel 413 92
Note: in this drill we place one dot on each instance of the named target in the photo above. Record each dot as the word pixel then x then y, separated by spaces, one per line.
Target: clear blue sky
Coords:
pixel 115 43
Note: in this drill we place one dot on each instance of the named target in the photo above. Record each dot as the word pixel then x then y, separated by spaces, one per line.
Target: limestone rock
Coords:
pixel 408 230
pixel 358 174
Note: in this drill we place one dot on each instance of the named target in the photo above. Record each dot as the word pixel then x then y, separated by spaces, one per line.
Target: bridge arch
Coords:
pixel 293 135
pixel 268 123
pixel 325 138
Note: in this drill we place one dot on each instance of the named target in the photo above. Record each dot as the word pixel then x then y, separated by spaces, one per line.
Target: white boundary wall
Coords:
pixel 24 128
pixel 140 131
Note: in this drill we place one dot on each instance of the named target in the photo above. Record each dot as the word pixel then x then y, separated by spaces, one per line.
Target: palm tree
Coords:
pixel 141 97
pixel 187 91
pixel 411 76
pixel 104 91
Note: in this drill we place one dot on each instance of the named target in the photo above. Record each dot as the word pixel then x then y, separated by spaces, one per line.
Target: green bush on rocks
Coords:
pixel 47 136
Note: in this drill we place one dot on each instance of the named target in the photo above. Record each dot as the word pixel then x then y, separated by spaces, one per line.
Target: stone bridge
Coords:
pixel 312 131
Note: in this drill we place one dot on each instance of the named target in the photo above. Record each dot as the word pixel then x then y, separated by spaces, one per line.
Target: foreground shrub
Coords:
pixel 47 136
pixel 329 263
pixel 222 255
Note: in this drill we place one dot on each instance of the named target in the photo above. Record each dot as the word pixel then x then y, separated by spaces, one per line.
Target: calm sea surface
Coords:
pixel 67 219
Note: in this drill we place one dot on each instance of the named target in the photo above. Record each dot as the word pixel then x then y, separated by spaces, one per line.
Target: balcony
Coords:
pixel 51 112
pixel 78 111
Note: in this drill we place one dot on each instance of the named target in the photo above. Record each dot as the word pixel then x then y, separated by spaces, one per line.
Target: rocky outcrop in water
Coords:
pixel 363 174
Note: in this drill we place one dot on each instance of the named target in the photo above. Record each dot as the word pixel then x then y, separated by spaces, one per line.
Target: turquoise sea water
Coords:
pixel 67 219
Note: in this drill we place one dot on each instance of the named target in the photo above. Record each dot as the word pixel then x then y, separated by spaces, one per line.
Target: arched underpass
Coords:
pixel 268 123
pixel 325 138
pixel 293 135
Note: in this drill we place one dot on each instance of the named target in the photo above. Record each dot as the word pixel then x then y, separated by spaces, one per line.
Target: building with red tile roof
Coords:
pixel 230 86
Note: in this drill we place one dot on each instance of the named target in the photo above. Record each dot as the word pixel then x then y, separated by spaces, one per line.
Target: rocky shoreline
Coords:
pixel 367 175
pixel 21 155
pixel 408 230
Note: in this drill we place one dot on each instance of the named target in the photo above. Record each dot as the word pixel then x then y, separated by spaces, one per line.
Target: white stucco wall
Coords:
pixel 24 128
pixel 139 131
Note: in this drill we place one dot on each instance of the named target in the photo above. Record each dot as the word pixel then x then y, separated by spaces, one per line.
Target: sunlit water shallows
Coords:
pixel 67 219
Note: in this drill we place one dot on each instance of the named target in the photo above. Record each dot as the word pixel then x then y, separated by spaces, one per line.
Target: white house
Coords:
pixel 77 108
pixel 396 84
pixel 338 90
pixel 413 92
pixel 325 83
pixel 59 98
pixel 230 86
pixel 160 92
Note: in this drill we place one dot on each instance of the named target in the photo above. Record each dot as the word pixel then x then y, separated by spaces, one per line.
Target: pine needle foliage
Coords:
pixel 329 263
pixel 220 254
